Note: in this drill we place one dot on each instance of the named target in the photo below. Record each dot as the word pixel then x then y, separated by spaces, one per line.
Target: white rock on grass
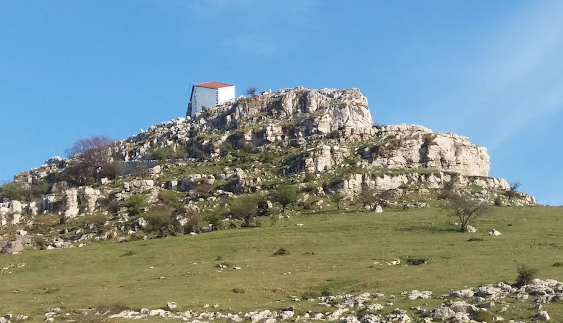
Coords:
pixel 494 232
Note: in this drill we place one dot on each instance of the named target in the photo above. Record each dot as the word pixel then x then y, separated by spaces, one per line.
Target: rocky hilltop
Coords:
pixel 321 142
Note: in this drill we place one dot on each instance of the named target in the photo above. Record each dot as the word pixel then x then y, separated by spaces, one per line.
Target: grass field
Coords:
pixel 331 252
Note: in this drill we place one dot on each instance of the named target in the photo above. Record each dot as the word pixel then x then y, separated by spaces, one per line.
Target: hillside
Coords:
pixel 322 142
pixel 331 260
pixel 294 165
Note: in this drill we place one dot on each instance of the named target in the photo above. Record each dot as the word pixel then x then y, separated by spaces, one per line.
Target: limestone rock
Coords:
pixel 137 185
pixel 70 203
pixel 494 232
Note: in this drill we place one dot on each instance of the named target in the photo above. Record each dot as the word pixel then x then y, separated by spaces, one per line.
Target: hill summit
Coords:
pixel 322 143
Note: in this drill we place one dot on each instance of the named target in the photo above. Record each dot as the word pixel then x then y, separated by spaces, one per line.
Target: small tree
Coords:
pixel 337 199
pixel 245 208
pixel 369 198
pixel 89 155
pixel 464 208
pixel 512 192
pixel 251 91
pixel 111 169
pixel 284 195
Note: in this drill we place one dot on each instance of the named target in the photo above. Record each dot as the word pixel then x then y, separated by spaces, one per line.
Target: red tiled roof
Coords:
pixel 213 85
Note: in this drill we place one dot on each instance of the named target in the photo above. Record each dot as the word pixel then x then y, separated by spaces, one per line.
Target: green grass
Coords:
pixel 331 252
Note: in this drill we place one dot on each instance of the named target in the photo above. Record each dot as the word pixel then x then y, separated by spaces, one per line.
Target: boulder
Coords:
pixel 12 247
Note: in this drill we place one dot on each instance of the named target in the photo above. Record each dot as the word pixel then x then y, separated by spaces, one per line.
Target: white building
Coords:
pixel 208 95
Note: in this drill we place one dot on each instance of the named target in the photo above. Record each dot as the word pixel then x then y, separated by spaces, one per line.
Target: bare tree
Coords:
pixel 513 191
pixel 86 144
pixel 90 155
pixel 251 91
pixel 464 208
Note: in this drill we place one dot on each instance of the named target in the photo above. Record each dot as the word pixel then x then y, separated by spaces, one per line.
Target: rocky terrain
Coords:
pixel 321 142
pixel 485 303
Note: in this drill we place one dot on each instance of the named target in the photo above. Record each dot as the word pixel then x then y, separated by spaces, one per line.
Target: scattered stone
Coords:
pixel 494 232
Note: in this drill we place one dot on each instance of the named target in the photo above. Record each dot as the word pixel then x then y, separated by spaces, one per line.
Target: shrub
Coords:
pixel 112 169
pixel 309 177
pixel 170 198
pixel 525 275
pixel 162 223
pixel 23 191
pixel 284 195
pixel 337 199
pixel 136 204
pixel 192 216
pixel 498 201
pixel 251 90
pixel 97 219
pixel 245 208
pixel 216 219
pixel 40 241
pixel 202 188
pixel 281 252
pixel 13 190
pixel 483 316
pixel 464 208
pixel 89 155
pixel 163 154
pixel 237 290
pixel 512 192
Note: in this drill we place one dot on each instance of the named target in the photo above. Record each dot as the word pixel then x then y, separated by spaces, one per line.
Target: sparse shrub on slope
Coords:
pixel 24 191
pixel 162 223
pixel 525 275
pixel 464 208
pixel 284 195
pixel 136 204
pixel 245 208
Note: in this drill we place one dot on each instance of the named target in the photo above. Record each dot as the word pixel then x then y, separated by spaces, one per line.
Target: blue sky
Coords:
pixel 489 70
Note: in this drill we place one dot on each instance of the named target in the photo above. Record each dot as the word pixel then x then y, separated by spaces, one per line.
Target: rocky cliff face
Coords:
pixel 248 144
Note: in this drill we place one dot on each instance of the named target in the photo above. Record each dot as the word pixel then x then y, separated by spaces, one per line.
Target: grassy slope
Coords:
pixel 331 251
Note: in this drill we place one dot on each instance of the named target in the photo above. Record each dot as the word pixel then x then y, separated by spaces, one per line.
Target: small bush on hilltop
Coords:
pixel 512 192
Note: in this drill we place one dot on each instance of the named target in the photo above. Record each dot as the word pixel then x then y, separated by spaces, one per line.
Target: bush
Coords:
pixel 163 154
pixel 170 198
pixel 216 219
pixel 89 155
pixel 483 316
pixel 525 275
pixel 97 219
pixel 309 177
pixel 245 208
pixel 23 191
pixel 192 217
pixel 13 191
pixel 136 204
pixel 337 199
pixel 284 195
pixel 281 252
pixel 202 188
pixel 512 192
pixel 162 223
pixel 464 208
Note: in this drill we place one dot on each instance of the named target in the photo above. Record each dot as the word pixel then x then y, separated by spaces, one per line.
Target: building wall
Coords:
pixel 225 94
pixel 203 97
